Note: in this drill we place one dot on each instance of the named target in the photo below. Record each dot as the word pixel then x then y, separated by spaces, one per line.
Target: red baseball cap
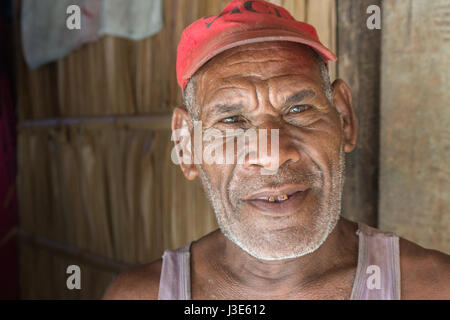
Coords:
pixel 241 22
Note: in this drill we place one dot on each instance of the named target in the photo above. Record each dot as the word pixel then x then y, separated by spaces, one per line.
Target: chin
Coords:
pixel 287 243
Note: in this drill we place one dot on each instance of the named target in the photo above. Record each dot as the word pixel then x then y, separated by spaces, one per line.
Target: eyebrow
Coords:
pixel 299 96
pixel 224 109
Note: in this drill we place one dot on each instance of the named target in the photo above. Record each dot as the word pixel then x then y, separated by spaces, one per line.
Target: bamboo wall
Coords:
pixel 96 184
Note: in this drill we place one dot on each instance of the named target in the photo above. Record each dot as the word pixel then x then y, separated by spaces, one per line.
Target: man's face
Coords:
pixel 273 85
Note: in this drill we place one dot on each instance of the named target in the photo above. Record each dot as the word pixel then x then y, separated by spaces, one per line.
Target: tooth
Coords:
pixel 282 197
pixel 271 199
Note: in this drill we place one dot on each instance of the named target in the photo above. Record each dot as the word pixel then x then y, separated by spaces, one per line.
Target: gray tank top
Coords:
pixel 377 273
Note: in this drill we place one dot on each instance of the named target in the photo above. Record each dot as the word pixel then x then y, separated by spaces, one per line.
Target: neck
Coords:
pixel 283 276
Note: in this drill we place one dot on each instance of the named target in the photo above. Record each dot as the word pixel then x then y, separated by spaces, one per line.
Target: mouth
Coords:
pixel 280 201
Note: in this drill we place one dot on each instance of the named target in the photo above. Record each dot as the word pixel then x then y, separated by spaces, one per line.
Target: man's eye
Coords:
pixel 299 108
pixel 232 119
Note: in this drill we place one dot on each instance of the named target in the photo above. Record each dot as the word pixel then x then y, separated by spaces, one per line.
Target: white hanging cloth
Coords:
pixel 46 37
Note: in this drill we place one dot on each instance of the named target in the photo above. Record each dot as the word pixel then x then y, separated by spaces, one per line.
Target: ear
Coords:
pixel 181 135
pixel 342 97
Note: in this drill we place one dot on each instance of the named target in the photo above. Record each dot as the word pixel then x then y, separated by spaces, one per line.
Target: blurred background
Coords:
pixel 85 170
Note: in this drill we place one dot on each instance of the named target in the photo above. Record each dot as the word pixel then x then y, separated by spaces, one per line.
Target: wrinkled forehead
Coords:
pixel 275 62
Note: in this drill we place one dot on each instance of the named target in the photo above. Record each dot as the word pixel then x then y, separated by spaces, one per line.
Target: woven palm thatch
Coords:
pixel 92 186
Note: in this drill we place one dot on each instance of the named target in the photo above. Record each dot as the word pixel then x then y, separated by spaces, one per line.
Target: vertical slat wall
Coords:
pixel 415 122
pixel 97 187
pixel 359 52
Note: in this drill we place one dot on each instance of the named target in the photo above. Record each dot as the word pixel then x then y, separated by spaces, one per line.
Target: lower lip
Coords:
pixel 284 208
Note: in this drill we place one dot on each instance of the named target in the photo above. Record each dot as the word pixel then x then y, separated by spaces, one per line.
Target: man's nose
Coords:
pixel 275 147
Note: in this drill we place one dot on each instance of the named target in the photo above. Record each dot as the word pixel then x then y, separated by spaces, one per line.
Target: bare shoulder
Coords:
pixel 137 283
pixel 425 273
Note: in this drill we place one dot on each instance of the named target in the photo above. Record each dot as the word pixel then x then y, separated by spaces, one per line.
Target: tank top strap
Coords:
pixel 175 280
pixel 378 271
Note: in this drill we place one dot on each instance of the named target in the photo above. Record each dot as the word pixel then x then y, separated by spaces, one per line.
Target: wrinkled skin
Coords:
pixel 311 145
pixel 314 253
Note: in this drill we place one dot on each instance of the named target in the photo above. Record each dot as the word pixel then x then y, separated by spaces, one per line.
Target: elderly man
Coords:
pixel 281 235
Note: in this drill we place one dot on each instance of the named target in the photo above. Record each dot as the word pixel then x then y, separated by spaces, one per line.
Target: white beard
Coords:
pixel 297 241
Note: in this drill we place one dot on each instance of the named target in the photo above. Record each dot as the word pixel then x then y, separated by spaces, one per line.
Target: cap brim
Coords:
pixel 212 48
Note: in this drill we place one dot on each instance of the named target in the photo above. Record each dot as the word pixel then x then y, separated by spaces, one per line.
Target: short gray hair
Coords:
pixel 191 88
pixel 189 97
